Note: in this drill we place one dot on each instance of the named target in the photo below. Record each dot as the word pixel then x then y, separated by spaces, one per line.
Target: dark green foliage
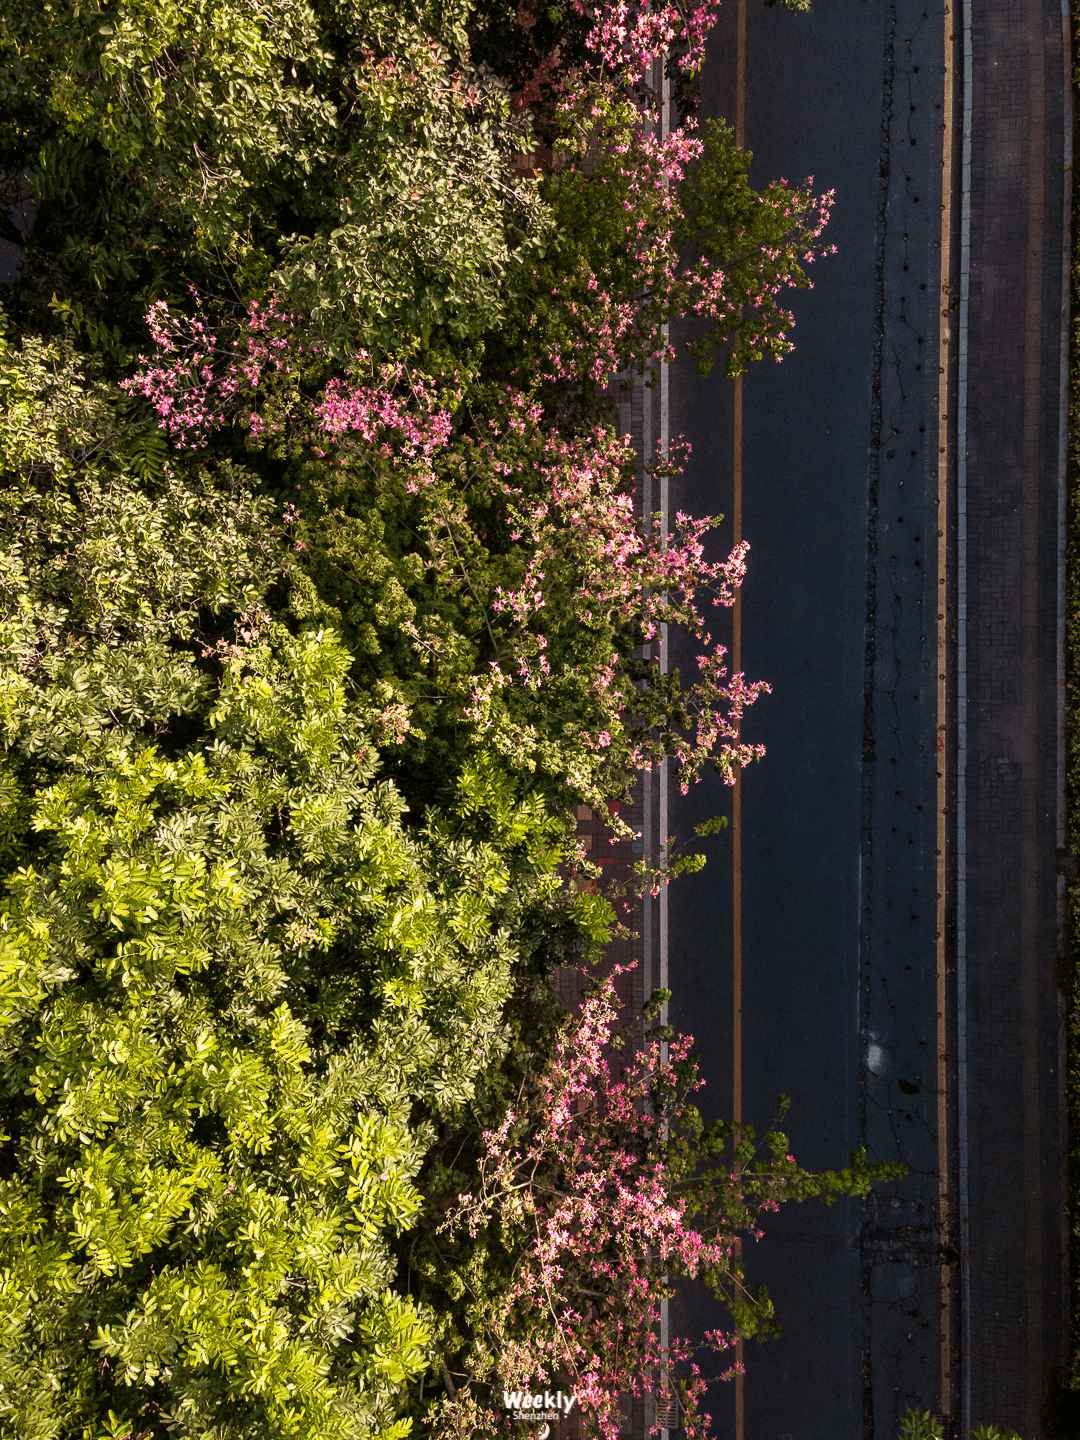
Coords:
pixel 329 151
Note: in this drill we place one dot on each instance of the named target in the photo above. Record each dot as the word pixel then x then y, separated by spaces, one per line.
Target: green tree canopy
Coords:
pixel 345 155
pixel 236 988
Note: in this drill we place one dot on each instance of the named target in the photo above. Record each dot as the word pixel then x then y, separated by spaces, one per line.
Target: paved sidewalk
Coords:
pixel 1013 1233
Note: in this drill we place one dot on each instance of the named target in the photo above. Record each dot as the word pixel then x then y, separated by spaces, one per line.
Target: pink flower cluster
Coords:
pixel 582 537
pixel 196 382
pixel 629 34
pixel 200 380
pixel 577 1175
pixel 606 330
pixel 370 411
pixel 611 110
pixel 405 429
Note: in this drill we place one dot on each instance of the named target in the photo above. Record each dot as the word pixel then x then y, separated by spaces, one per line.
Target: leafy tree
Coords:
pixel 345 153
pixel 579 1208
pixel 236 988
pixel 921 1425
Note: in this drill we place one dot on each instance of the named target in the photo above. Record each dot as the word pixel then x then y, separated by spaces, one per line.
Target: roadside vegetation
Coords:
pixel 323 602
pixel 922 1425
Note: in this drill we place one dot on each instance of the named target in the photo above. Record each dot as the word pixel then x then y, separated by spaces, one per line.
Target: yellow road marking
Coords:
pixel 943 410
pixel 1030 957
pixel 736 863
pixel 736 667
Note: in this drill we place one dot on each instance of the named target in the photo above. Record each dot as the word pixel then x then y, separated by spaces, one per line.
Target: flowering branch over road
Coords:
pixel 606 1186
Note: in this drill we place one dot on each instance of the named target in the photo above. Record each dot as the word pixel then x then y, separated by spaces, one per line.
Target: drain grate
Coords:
pixel 667 1410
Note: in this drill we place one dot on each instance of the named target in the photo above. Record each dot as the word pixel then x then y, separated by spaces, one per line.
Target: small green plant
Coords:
pixel 920 1425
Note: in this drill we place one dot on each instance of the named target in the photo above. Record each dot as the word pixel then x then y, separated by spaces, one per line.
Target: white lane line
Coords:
pixel 1063 460
pixel 961 733
pixel 944 475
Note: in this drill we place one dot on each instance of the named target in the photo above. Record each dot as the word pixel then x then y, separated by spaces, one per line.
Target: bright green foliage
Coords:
pixel 341 152
pixel 55 416
pixel 921 1425
pixel 200 1170
pixel 236 989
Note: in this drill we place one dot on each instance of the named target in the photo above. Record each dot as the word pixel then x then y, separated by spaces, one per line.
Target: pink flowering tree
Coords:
pixel 651 221
pixel 467 516
pixel 599 1189
pixel 260 374
pixel 658 227
pixel 565 591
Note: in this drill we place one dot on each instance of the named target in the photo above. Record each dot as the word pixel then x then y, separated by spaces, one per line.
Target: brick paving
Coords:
pixel 1013 1231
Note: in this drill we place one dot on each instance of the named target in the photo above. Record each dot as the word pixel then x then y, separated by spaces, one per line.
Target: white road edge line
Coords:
pixel 660 979
pixel 1063 461
pixel 961 733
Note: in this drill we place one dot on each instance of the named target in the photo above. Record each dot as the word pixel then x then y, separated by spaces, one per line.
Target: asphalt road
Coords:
pixel 839 822
pixel 885 941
